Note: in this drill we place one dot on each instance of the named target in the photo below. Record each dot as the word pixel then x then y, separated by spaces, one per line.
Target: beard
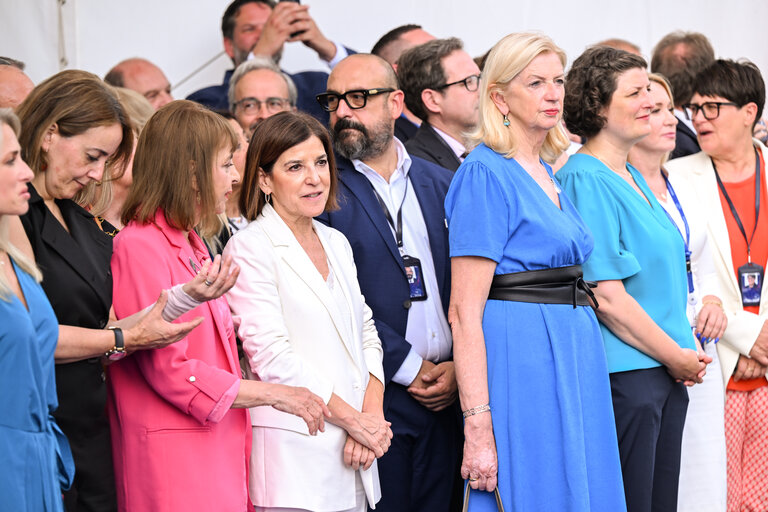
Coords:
pixel 354 141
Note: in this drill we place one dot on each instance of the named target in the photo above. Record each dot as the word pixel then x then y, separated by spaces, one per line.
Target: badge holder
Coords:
pixel 415 276
pixel 750 283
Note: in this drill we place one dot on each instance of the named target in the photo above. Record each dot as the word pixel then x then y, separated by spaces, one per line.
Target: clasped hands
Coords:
pixel 435 385
pixel 369 437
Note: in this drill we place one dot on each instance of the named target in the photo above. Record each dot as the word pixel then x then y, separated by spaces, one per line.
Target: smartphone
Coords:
pixel 295 2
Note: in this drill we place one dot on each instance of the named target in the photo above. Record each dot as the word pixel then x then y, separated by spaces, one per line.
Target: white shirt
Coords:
pixel 427 329
pixel 680 115
pixel 456 146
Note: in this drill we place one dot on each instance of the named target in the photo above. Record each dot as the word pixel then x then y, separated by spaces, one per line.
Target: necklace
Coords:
pixel 624 173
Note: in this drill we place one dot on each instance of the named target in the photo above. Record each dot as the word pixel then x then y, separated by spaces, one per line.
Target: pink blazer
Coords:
pixel 173 448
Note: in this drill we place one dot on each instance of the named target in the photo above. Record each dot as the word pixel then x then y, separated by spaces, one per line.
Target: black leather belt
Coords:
pixel 563 285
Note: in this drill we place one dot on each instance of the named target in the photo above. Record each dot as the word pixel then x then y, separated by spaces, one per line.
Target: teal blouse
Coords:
pixel 635 242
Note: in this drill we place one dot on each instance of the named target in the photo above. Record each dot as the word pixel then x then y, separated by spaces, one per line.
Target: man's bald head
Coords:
pixel 365 131
pixel 369 67
pixel 141 76
pixel 14 86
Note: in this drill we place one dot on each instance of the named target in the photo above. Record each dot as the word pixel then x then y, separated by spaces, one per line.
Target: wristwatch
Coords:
pixel 118 351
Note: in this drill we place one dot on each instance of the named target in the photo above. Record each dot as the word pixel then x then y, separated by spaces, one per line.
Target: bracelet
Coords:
pixel 714 302
pixel 476 410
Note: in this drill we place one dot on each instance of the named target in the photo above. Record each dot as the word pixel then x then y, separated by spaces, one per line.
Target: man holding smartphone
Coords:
pixel 261 28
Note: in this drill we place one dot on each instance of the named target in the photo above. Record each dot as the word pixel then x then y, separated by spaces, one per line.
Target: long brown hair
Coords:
pixel 273 137
pixel 173 167
pixel 75 101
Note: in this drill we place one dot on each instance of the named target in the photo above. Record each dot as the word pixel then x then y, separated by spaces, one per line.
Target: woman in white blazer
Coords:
pixel 298 309
pixel 727 101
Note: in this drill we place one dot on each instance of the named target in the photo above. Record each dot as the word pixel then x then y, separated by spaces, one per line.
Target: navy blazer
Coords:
pixel 404 129
pixel 308 84
pixel 686 142
pixel 380 269
pixel 429 145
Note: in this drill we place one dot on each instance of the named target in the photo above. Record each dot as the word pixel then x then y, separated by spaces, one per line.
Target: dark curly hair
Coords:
pixel 739 82
pixel 590 84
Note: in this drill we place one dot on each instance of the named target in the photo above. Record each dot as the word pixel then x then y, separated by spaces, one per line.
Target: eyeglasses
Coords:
pixel 354 99
pixel 472 82
pixel 710 109
pixel 253 105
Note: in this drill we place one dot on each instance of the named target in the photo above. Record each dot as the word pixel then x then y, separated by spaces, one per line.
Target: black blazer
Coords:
pixel 430 146
pixel 686 142
pixel 78 283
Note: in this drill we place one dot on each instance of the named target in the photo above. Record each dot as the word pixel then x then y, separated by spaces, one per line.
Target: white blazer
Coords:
pixel 696 174
pixel 294 333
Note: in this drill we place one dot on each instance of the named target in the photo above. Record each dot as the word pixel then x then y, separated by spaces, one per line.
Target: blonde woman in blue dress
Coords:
pixel 530 364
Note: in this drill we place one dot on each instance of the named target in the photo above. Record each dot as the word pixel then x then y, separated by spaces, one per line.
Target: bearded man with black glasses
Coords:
pixel 391 210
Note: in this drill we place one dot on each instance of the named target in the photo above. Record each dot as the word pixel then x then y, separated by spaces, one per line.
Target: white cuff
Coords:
pixel 341 54
pixel 409 369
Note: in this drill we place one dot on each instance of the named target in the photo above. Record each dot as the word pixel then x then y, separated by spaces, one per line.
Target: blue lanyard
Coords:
pixel 687 237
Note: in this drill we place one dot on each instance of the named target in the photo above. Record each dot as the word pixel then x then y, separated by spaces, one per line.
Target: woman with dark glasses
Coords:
pixel 728 176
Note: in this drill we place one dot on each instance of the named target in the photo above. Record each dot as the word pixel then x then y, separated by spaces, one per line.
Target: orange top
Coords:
pixel 742 195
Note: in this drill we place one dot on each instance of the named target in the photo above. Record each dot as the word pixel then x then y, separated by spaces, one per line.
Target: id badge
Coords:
pixel 750 283
pixel 415 277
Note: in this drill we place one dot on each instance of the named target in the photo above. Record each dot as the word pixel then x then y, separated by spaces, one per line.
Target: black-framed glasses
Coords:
pixel 253 105
pixel 354 99
pixel 472 82
pixel 710 109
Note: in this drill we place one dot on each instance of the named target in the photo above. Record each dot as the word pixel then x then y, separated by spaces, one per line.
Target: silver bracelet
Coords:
pixel 476 410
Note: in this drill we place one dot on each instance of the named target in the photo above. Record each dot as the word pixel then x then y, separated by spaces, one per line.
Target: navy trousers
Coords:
pixel 650 408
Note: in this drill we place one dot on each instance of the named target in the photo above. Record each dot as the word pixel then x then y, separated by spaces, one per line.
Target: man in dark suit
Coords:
pixel 392 213
pixel 261 28
pixel 440 81
pixel 679 56
pixel 389 47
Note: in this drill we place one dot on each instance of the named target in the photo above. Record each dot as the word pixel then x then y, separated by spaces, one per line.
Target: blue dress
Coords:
pixel 547 375
pixel 36 461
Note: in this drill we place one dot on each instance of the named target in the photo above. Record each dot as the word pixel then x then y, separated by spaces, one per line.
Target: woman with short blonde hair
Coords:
pixel 529 358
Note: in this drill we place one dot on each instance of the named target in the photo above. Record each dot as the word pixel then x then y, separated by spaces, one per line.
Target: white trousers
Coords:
pixel 703 470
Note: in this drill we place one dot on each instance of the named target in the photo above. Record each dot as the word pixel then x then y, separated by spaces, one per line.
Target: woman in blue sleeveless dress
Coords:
pixel 36 461
pixel 530 362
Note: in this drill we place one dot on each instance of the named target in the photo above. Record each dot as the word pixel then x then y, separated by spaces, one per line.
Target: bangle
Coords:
pixel 476 410
pixel 713 302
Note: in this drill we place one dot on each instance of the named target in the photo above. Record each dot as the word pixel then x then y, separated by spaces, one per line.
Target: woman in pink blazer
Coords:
pixel 177 444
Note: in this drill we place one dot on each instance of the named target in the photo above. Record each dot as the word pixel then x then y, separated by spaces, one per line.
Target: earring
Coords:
pixel 506 120
pixel 268 198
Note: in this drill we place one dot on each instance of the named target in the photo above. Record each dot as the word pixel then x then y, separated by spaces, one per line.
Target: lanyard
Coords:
pixel 687 237
pixel 397 227
pixel 733 208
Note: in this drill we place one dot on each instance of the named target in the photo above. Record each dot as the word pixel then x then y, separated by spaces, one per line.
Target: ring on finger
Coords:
pixel 473 479
pixel 208 283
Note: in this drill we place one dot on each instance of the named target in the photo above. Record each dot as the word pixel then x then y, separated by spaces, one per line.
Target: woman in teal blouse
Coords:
pixel 640 265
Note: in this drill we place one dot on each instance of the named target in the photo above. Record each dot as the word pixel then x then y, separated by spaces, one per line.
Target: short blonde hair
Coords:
pixel 7 117
pixel 664 83
pixel 507 59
